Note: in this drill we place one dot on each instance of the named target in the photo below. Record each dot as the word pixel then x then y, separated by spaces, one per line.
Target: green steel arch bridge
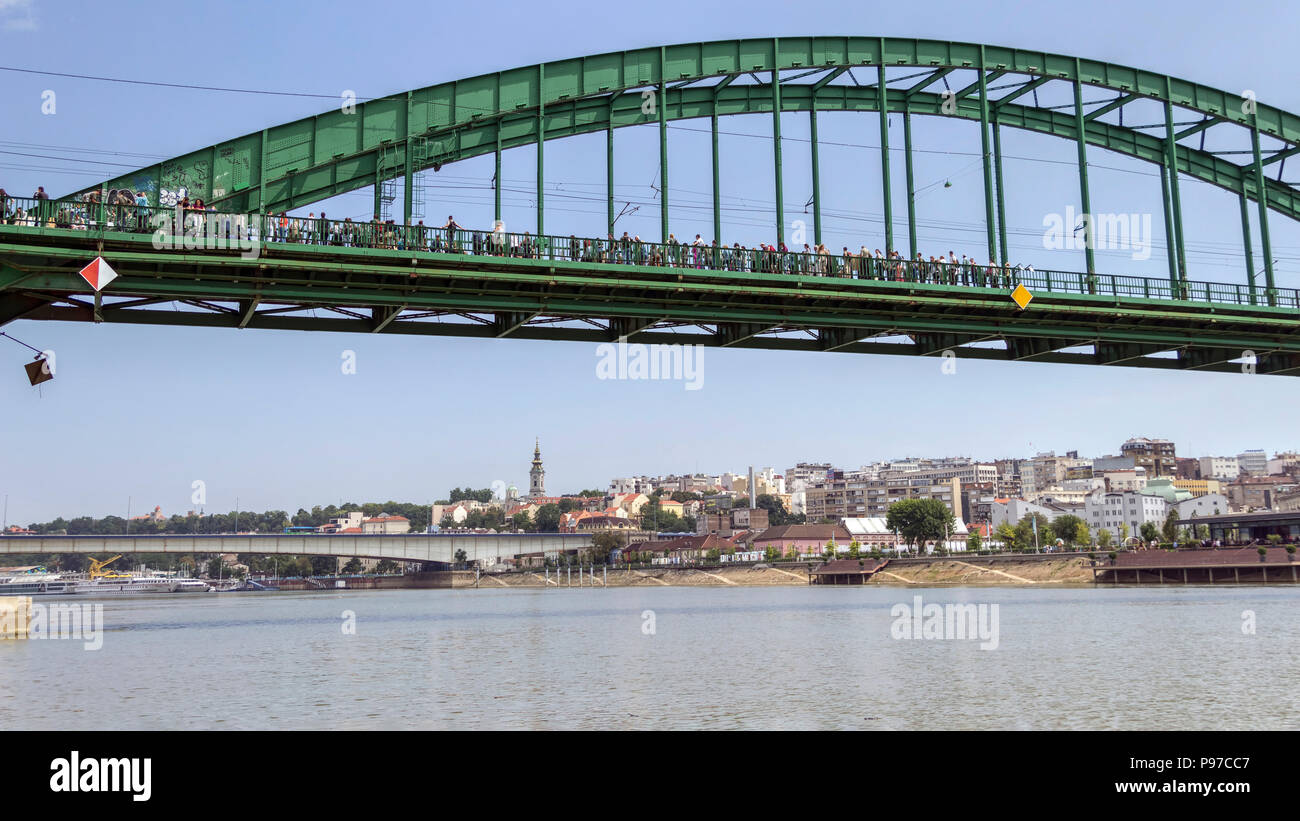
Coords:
pixel 405 279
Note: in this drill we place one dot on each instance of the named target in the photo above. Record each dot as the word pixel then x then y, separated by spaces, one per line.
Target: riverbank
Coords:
pixel 1073 570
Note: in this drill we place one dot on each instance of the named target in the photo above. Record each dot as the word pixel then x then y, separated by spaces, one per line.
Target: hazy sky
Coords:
pixel 270 419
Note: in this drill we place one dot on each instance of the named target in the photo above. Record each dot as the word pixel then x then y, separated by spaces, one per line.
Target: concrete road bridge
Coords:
pixel 437 547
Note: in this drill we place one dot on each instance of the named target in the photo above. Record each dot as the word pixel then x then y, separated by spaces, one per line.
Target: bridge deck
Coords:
pixel 420 280
pixel 422 547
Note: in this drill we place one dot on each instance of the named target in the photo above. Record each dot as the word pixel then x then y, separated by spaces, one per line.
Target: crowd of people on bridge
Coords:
pixel 127 211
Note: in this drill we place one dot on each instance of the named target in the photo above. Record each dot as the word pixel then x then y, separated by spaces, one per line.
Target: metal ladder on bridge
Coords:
pixel 391 166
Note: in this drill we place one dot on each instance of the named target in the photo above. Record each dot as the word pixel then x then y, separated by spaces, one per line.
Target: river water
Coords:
pixel 667 658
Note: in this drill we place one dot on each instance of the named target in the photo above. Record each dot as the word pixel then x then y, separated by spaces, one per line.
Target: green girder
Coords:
pixel 398 292
pixel 308 160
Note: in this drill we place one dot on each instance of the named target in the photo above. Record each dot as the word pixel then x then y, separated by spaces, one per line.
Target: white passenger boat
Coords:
pixel 136 585
pixel 37 584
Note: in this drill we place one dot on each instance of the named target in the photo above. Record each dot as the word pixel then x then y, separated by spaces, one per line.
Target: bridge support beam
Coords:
pixel 776 152
pixel 1193 359
pixel 16 306
pixel 1085 197
pixel 816 176
pixel 717 178
pixel 989 218
pixel 1171 163
pixel 928 344
pixel 1030 347
pixel 1118 353
pixel 496 181
pixel 541 149
pixel 830 339
pixel 1171 247
pixel 505 323
pixel 884 153
pixel 408 168
pixel 1246 241
pixel 662 105
pixel 1001 193
pixel 911 182
pixel 621 327
pixel 248 310
pixel 731 333
pixel 609 170
pixel 382 317
pixel 1262 199
pixel 1280 364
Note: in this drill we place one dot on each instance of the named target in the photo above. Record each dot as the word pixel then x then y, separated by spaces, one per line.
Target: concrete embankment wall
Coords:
pixel 989 570
pixel 928 571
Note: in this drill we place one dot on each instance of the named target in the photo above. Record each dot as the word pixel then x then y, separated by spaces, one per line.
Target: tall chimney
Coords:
pixel 753 503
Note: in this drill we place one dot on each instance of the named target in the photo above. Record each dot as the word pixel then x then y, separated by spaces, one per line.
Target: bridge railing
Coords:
pixel 200 228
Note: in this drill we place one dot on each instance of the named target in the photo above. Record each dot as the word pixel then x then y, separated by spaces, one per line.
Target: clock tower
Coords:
pixel 537 476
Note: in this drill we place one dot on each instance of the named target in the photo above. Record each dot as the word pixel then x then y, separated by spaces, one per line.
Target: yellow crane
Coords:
pixel 97 566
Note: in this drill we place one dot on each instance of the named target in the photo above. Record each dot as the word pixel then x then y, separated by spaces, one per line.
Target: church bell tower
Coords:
pixel 537 476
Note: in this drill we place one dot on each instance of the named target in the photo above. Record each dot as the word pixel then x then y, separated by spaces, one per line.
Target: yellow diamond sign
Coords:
pixel 1022 296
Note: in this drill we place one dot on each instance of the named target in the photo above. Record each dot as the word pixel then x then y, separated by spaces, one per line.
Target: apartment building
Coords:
pixel 1254 462
pixel 1226 468
pixel 1156 455
pixel 1108 511
pixel 849 496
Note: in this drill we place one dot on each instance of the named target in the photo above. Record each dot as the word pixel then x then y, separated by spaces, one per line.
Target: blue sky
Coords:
pixel 269 418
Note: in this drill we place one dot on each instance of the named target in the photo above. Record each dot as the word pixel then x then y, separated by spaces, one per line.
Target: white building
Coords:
pixel 383 525
pixel 872 531
pixel 1107 511
pixel 1220 467
pixel 1254 462
pixel 1211 504
pixel 1011 511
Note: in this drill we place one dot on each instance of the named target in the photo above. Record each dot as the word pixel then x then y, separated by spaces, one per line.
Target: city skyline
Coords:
pixel 140 505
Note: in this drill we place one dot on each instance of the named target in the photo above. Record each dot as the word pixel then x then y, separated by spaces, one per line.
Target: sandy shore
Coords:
pixel 1074 570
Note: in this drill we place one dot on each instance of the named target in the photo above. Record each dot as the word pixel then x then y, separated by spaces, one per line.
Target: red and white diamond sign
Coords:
pixel 98 274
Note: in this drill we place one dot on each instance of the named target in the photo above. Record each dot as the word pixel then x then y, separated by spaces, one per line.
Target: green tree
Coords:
pixel 1103 538
pixel 1025 539
pixel 1082 535
pixel 603 543
pixel 919 520
pixel 469 494
pixel 1066 528
pixel 776 512
pixel 1006 534
pixel 974 542
pixel 387 566
pixel 548 518
pixel 1149 531
pixel 1170 528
